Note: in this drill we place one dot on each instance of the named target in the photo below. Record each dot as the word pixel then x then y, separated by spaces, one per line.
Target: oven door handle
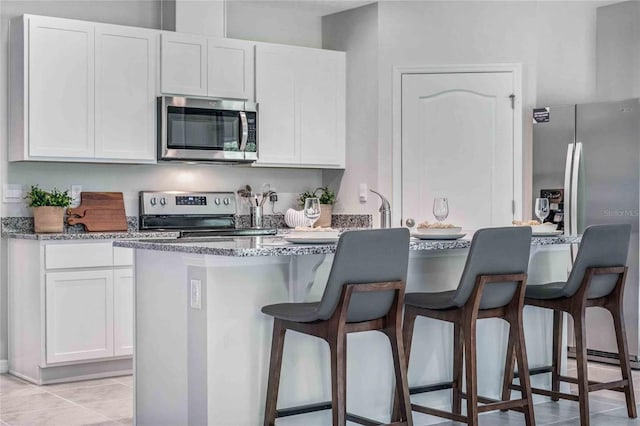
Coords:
pixel 245 130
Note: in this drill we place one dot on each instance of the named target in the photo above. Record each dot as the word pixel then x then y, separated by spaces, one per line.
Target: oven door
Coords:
pixel 205 130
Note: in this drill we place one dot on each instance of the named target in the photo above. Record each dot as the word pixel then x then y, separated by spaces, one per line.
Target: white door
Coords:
pixel 230 69
pixel 458 143
pixel 123 312
pixel 125 93
pixel 61 88
pixel 183 64
pixel 79 315
pixel 276 94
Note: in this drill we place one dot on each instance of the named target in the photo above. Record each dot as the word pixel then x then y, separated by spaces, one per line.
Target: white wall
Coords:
pixel 355 32
pixel 286 22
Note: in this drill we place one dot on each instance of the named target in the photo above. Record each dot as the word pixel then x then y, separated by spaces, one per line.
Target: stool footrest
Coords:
pixel 430 388
pixel 546 392
pixel 617 386
pixel 503 405
pixel 303 409
pixel 440 413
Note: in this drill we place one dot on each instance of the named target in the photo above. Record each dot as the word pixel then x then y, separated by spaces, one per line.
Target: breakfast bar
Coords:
pixel 202 344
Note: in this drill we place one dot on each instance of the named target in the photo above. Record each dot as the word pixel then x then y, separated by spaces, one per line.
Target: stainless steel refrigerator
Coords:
pixel 592 153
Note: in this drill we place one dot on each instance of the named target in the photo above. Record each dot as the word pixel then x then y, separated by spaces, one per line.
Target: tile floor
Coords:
pixel 110 402
pixel 91 402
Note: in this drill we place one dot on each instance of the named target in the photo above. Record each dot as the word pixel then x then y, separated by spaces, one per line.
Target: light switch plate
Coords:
pixel 75 195
pixel 196 294
pixel 13 193
pixel 363 192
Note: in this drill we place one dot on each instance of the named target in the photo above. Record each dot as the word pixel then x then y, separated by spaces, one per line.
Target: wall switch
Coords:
pixel 75 195
pixel 13 193
pixel 196 294
pixel 363 192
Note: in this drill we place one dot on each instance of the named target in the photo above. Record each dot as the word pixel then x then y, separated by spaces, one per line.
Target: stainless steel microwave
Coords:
pixel 215 130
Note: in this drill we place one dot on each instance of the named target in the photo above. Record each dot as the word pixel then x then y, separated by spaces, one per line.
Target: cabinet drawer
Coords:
pixel 58 256
pixel 122 256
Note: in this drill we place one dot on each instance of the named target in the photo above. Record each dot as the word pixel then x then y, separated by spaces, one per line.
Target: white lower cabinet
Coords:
pixel 123 312
pixel 70 309
pixel 79 306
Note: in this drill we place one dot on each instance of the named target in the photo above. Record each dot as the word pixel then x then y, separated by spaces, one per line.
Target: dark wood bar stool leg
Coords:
pixel 517 336
pixel 400 365
pixel 458 348
pixel 623 351
pixel 469 335
pixel 580 333
pixel 275 366
pixel 338 349
pixel 509 367
pixel 556 361
pixel 408 324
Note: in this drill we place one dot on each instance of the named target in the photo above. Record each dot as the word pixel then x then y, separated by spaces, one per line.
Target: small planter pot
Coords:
pixel 325 216
pixel 48 219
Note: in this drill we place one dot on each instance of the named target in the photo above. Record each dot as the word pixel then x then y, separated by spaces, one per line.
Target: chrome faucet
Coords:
pixel 385 211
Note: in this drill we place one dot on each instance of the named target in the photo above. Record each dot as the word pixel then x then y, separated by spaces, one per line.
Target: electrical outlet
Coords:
pixel 273 197
pixel 196 294
pixel 362 192
pixel 13 193
pixel 75 195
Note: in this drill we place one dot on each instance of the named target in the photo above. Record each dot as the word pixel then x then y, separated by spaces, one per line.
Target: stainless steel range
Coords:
pixel 194 214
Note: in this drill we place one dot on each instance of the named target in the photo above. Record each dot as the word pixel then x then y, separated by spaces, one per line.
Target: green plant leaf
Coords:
pixel 39 197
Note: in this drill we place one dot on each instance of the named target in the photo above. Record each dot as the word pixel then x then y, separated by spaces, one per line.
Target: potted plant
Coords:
pixel 48 208
pixel 327 200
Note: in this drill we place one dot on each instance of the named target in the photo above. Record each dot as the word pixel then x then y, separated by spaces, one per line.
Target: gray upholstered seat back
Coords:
pixel 601 245
pixel 366 257
pixel 495 251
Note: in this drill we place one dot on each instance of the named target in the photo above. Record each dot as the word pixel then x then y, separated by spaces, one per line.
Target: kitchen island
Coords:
pixel 202 344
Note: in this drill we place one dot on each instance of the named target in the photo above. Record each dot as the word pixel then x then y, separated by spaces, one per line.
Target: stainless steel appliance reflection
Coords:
pixel 194 214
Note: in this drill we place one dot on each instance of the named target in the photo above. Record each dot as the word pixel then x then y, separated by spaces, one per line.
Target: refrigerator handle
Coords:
pixel 574 188
pixel 567 191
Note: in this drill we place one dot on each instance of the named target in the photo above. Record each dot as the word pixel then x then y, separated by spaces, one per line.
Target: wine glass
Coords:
pixel 440 208
pixel 312 209
pixel 542 208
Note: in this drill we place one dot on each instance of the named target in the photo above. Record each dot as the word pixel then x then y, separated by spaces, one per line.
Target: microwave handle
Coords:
pixel 245 130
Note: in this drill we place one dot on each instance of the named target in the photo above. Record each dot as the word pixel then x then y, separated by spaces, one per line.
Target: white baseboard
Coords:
pixel 4 366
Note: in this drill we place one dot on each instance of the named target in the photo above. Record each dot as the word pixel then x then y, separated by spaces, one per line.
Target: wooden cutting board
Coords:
pixel 98 200
pixel 99 212
pixel 101 220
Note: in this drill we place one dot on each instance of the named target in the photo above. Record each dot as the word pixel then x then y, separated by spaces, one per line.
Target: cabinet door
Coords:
pixel 276 94
pixel 123 312
pixel 184 64
pixel 321 107
pixel 79 315
pixel 61 88
pixel 230 68
pixel 125 93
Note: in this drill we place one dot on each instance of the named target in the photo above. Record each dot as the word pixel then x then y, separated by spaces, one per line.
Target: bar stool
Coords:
pixel 597 280
pixel 492 286
pixel 364 292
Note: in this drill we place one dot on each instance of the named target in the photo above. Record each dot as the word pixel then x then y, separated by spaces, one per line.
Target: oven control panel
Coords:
pixel 187 203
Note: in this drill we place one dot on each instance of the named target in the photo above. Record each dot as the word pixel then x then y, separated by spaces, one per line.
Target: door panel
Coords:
pixel 125 93
pixel 184 64
pixel 79 310
pixel 230 69
pixel 61 88
pixel 123 312
pixel 457 142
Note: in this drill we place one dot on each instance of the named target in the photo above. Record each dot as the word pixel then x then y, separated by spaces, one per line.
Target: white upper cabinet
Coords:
pixel 60 88
pixel 276 95
pixel 199 66
pixel 183 64
pixel 81 91
pixel 125 93
pixel 230 68
pixel 301 97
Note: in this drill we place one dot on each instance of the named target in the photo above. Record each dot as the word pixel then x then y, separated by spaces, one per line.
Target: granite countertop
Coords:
pixel 88 235
pixel 277 246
